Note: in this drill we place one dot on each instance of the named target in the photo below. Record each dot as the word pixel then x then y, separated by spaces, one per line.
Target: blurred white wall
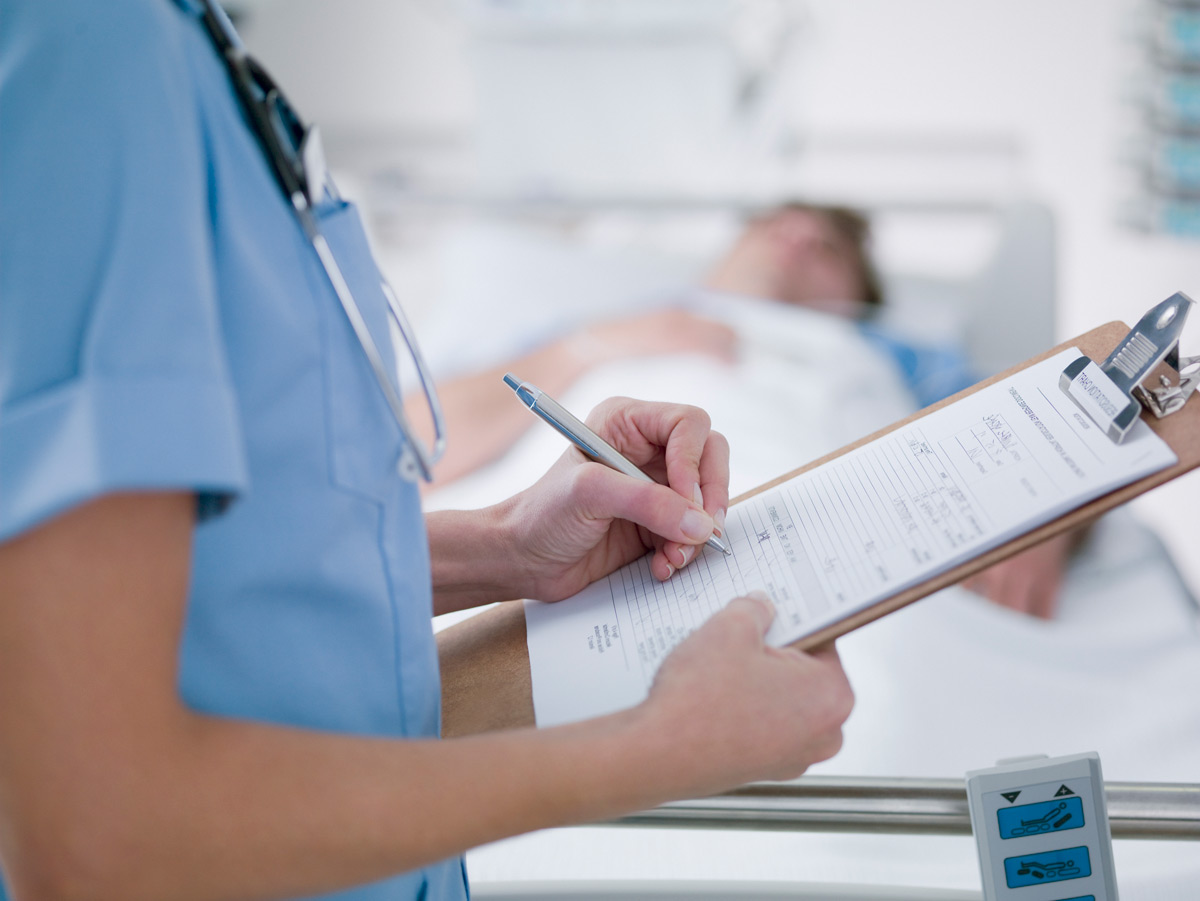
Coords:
pixel 1036 88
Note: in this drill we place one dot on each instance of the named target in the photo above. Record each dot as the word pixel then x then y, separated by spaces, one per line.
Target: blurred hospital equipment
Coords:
pixel 1164 141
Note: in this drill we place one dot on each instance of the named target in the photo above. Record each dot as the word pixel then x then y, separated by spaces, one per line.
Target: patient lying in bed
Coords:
pixel 777 343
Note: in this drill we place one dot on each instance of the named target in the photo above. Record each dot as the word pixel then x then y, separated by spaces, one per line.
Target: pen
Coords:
pixel 582 437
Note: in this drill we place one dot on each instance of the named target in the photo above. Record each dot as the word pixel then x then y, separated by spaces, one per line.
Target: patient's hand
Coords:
pixel 661 332
pixel 1030 581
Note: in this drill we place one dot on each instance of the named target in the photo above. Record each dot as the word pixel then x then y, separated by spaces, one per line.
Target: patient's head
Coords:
pixel 802 254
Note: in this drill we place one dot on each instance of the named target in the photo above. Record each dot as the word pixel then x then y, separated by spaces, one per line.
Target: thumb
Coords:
pixel 763 608
pixel 755 605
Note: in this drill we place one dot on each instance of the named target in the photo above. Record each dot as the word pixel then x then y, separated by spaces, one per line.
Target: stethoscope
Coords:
pixel 294 153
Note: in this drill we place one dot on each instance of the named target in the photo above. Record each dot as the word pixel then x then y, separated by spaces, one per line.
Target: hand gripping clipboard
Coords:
pixel 486 680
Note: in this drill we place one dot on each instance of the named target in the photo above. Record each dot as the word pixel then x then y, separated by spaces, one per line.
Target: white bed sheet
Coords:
pixel 949 684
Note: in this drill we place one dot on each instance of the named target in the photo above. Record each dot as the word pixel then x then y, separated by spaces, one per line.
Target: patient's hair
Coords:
pixel 852 225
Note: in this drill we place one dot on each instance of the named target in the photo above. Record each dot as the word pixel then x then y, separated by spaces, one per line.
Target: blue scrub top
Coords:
pixel 164 325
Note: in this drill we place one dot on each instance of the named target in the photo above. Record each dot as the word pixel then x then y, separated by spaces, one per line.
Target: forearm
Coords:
pixel 233 809
pixel 474 558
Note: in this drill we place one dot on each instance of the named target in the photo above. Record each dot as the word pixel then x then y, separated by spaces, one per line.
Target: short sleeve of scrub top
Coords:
pixel 112 372
pixel 164 325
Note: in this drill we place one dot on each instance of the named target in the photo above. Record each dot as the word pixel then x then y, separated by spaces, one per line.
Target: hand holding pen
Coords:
pixel 678 471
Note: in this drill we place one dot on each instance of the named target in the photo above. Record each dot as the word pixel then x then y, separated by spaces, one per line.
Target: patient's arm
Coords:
pixel 482 420
pixel 1030 582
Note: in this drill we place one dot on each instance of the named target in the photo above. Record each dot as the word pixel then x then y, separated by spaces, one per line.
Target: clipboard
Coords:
pixel 486 682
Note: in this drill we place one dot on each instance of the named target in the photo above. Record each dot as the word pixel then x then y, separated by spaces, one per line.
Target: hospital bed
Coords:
pixel 947 685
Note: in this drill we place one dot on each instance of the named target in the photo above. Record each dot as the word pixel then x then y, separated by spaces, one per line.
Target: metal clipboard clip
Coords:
pixel 1112 393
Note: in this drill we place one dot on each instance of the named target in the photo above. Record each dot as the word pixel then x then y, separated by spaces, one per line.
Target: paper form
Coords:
pixel 836 539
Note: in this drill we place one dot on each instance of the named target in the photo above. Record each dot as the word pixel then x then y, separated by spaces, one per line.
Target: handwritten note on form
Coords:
pixel 838 538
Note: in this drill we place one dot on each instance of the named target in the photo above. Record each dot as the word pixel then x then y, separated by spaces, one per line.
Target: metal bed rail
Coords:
pixel 1141 810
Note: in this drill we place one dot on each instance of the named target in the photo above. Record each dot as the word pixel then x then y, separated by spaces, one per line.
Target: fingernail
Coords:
pixel 763 598
pixel 696 524
pixel 719 520
pixel 697 495
pixel 686 553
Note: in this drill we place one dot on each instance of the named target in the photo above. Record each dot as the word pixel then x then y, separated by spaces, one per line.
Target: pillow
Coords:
pixel 506 290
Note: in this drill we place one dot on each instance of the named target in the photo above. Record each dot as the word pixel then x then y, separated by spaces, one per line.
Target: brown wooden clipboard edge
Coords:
pixel 486 683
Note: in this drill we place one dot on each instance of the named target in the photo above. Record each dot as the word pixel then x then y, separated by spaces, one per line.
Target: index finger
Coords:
pixel 697 459
pixel 693 455
pixel 710 491
pixel 714 478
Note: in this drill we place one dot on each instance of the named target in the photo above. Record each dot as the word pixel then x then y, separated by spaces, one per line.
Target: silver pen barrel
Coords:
pixel 584 438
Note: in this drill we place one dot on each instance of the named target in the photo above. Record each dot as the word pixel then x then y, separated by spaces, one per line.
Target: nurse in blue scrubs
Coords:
pixel 217 672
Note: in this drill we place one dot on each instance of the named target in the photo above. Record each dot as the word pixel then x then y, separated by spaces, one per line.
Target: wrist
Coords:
pixel 473 558
pixel 679 744
pixel 630 761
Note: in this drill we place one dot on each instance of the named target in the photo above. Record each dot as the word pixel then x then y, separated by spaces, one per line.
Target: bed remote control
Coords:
pixel 1041 827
